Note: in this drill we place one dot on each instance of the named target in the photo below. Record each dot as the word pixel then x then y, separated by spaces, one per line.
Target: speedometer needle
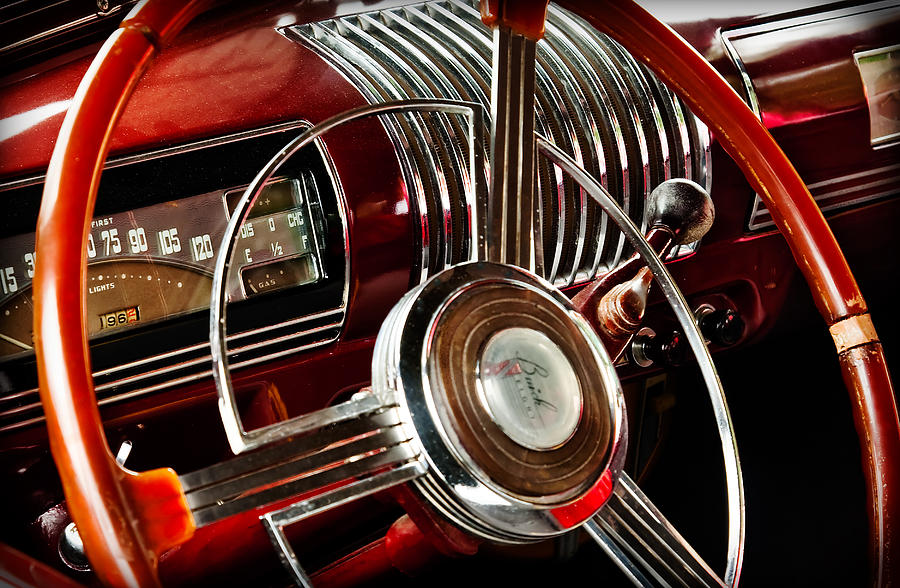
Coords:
pixel 15 342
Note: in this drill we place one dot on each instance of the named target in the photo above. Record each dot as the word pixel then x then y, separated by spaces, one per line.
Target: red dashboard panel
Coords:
pixel 810 94
pixel 234 71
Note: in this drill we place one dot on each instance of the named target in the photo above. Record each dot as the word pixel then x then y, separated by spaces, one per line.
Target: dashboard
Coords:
pixel 151 264
pixel 373 208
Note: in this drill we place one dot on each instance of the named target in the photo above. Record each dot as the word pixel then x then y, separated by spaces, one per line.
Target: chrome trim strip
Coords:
pixel 636 76
pixel 635 204
pixel 274 522
pixel 561 23
pixel 823 197
pixel 446 127
pixel 733 479
pixel 854 176
pixel 70 26
pixel 859 201
pixel 703 175
pixel 474 187
pixel 746 83
pixel 682 136
pixel 594 48
pixel 166 151
pixel 231 338
pixel 858 187
pixel 16 342
pixel 178 366
pixel 237 351
pixel 365 66
pixel 112 400
pixel 564 78
pixel 312 41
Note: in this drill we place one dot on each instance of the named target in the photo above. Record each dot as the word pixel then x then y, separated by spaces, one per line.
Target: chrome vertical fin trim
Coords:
pixel 590 98
pixel 319 39
pixel 438 135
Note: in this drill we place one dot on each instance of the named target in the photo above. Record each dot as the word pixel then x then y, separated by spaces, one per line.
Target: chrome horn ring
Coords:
pixel 431 355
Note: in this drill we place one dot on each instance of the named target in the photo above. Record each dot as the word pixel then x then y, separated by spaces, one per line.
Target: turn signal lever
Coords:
pixel 679 211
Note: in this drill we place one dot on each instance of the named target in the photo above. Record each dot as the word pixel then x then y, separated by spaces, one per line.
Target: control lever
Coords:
pixel 648 348
pixel 678 211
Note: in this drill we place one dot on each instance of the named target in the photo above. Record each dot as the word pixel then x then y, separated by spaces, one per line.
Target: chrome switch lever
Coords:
pixel 512 237
pixel 123 453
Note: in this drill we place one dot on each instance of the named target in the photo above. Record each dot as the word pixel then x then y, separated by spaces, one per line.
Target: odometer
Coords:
pixel 127 293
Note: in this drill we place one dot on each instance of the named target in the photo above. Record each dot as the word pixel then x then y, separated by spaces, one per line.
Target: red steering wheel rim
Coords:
pixel 128 519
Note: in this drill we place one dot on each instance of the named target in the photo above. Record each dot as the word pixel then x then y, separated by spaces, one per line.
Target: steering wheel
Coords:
pixel 128 519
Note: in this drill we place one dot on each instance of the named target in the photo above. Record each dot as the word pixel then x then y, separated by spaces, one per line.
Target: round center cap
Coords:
pixel 529 388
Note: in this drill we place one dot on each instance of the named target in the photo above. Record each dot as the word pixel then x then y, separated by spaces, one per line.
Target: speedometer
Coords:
pixel 120 294
pixel 156 262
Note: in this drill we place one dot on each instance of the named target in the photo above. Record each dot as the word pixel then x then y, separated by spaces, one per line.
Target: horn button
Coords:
pixel 529 388
pixel 511 396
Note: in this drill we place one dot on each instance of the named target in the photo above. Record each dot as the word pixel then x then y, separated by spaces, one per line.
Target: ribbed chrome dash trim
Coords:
pixel 592 99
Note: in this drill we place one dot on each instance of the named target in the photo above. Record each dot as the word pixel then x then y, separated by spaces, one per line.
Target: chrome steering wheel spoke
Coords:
pixel 511 223
pixel 353 459
pixel 276 521
pixel 625 487
pixel 644 544
pixel 331 454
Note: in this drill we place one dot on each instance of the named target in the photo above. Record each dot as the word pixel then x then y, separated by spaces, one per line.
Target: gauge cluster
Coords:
pixel 151 250
pixel 156 262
